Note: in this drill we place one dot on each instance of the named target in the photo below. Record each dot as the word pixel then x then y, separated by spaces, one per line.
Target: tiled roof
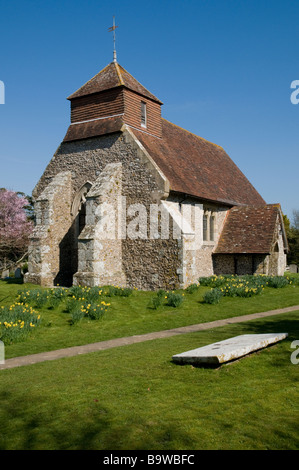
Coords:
pixel 248 229
pixel 94 128
pixel 197 167
pixel 191 164
pixel 113 75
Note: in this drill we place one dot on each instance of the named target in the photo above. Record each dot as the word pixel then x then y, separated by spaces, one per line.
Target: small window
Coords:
pixel 212 228
pixel 143 114
pixel 205 228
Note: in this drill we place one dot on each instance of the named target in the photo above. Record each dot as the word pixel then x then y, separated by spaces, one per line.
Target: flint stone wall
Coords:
pixel 99 247
pixel 146 264
pixel 109 167
pixel 277 257
pixel 272 264
pixel 53 218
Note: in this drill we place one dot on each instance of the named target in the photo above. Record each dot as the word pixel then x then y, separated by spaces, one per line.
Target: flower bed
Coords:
pixel 240 286
pixel 16 322
pixel 80 301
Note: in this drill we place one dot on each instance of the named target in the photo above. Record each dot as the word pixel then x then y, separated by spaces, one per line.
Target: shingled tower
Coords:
pixel 114 96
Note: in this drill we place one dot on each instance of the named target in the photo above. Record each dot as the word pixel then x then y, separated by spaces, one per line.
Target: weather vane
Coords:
pixel 113 28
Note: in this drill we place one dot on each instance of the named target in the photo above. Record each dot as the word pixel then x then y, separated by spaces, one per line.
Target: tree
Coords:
pixel 292 231
pixel 29 209
pixel 296 219
pixel 15 226
pixel 286 222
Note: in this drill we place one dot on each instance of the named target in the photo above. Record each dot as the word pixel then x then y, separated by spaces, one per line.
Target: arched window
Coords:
pixel 205 228
pixel 212 228
pixel 79 207
pixel 209 225
pixel 82 215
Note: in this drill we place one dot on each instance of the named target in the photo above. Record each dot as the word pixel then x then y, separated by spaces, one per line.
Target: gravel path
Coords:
pixel 114 343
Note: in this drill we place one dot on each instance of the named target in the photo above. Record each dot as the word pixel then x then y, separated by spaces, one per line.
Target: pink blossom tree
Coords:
pixel 15 227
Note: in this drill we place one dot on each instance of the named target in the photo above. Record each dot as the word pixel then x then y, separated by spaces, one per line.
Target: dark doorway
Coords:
pixel 68 247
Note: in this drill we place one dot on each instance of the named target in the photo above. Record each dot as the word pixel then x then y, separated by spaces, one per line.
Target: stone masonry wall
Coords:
pixel 277 257
pixel 198 261
pixel 141 261
pixel 240 264
pixel 100 250
pixel 147 263
pixel 52 212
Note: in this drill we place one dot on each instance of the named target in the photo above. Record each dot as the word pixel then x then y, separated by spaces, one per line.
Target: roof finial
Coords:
pixel 113 28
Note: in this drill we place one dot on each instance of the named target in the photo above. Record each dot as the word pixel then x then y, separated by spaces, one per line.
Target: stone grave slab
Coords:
pixel 228 350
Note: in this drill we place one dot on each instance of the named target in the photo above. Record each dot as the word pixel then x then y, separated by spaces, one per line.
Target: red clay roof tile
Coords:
pixel 248 229
pixel 113 75
pixel 197 167
pixel 85 130
pixel 192 165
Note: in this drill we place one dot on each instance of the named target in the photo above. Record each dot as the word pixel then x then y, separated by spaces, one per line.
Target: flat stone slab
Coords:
pixel 229 349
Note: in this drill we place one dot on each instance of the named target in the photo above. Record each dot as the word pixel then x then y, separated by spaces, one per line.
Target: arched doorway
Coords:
pixel 78 210
pixel 68 247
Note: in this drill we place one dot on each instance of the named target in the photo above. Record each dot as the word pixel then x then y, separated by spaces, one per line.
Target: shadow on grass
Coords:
pixel 277 325
pixel 92 427
pixel 12 280
pixel 45 428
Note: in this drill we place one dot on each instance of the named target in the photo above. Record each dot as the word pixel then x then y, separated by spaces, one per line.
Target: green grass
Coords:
pixel 133 315
pixel 135 397
pixel 293 276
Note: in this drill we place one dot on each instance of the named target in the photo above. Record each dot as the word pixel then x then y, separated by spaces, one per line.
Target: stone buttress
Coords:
pixel 53 219
pixel 99 243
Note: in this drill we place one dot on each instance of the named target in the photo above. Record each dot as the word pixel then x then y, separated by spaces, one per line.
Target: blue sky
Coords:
pixel 223 69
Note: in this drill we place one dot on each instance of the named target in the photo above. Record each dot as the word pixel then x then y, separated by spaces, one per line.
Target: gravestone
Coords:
pixel 5 274
pixel 18 273
pixel 293 268
pixel 228 350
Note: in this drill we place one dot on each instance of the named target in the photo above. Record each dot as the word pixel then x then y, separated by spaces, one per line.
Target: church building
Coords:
pixel 132 199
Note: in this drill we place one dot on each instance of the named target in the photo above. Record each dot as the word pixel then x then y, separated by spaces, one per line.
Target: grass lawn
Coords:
pixel 132 315
pixel 134 397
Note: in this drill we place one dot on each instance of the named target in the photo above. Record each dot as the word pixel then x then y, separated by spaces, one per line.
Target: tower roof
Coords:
pixel 113 75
